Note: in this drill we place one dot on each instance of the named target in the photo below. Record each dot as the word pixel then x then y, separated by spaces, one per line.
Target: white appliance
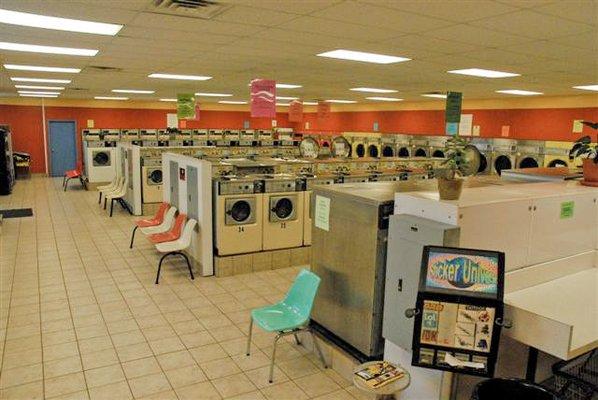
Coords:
pixel 486 158
pixel 100 163
pixel 403 145
pixel 530 154
pixel 151 174
pixel 283 213
pixel 504 154
pixel 420 147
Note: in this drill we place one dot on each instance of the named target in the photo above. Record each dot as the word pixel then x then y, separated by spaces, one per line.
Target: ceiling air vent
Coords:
pixel 205 9
pixel 101 68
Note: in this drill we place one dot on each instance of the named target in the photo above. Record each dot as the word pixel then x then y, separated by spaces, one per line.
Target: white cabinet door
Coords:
pixel 498 226
pixel 563 226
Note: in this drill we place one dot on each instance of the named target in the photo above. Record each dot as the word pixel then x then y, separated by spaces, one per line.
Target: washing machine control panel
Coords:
pixel 239 187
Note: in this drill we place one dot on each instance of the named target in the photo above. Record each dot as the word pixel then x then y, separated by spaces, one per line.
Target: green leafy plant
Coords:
pixel 455 165
pixel 584 148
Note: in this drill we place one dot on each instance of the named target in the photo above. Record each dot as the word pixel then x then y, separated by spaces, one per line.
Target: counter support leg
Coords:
pixel 532 363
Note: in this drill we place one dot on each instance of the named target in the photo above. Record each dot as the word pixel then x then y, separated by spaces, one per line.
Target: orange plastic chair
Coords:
pixel 144 223
pixel 173 234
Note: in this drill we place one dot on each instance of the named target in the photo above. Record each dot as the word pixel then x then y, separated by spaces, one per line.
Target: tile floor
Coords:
pixel 82 319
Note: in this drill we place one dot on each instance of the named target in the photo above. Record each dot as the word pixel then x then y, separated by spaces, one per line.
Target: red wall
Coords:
pixel 544 124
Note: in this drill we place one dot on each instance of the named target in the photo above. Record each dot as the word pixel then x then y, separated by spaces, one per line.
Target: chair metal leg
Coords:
pixel 105 200
pixel 160 266
pixel 318 349
pixel 250 335
pixel 63 180
pixel 66 184
pixel 271 376
pixel 111 206
pixel 297 339
pixel 188 264
pixel 100 199
pixel 133 236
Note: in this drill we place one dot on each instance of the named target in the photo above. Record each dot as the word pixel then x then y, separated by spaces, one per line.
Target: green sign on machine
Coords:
pixel 185 106
pixel 567 208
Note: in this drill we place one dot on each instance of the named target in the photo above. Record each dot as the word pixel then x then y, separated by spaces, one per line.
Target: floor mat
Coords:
pixel 17 213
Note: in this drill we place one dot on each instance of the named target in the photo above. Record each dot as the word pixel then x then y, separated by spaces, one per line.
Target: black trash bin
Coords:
pixel 511 389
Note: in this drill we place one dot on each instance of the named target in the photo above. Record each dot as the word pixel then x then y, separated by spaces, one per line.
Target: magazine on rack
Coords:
pixel 380 374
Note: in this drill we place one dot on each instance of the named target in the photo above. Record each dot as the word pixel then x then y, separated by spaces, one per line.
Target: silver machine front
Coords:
pixel 283 208
pixel 239 211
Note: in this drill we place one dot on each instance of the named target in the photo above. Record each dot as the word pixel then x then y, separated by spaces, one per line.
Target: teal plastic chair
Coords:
pixel 289 316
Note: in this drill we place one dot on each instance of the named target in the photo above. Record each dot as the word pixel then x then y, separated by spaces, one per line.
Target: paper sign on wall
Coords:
pixel 183 124
pixel 172 121
pixel 322 213
pixel 245 124
pixel 307 125
pixel 376 127
pixel 504 132
pixel 476 130
pixel 274 123
pixel 296 111
pixel 452 128
pixel 465 125
pixel 263 98
pixel 577 126
pixel 90 123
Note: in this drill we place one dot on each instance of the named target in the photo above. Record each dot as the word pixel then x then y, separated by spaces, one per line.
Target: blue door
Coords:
pixel 63 147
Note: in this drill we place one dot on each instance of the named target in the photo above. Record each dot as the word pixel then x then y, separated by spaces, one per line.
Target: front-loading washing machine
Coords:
pixel 358 147
pixel 309 147
pixel 388 146
pixel 530 154
pixel 420 147
pixel 556 154
pixel 341 148
pixel 437 144
pixel 403 145
pixel 100 164
pixel 485 148
pixel 373 147
pixel 504 154
pixel 151 180
pixel 283 212
pixel 238 222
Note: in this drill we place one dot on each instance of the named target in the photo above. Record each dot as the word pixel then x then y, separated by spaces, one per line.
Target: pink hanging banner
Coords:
pixel 263 98
pixel 296 111
pixel 323 110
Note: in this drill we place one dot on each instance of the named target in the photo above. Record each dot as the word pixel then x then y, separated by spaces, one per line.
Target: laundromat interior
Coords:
pixel 299 199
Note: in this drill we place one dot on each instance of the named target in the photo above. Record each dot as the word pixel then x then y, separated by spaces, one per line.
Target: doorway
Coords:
pixel 63 146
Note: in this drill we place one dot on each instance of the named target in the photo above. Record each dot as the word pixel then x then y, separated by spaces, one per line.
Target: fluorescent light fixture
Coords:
pixel 60 24
pixel 519 92
pixel 232 102
pixel 362 56
pixel 110 98
pixel 38 95
pixel 286 98
pixel 33 48
pixel 372 90
pixel 213 94
pixel 282 104
pixel 40 80
pixel 341 101
pixel 180 77
pixel 310 103
pixel 133 91
pixel 172 100
pixel 587 87
pixel 39 87
pixel 435 95
pixel 287 86
pixel 42 69
pixel 35 92
pixel 384 98
pixel 483 73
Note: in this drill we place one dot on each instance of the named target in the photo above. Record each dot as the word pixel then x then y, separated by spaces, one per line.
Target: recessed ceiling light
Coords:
pixel 33 48
pixel 42 69
pixel 61 24
pixel 232 102
pixel 362 56
pixel 40 80
pixel 372 90
pixel 310 103
pixel 133 91
pixel 39 87
pixel 38 95
pixel 384 98
pixel 168 100
pixel 519 92
pixel 287 86
pixel 587 87
pixel 341 101
pixel 286 98
pixel 282 104
pixel 110 98
pixel 35 92
pixel 435 95
pixel 483 73
pixel 180 77
pixel 213 94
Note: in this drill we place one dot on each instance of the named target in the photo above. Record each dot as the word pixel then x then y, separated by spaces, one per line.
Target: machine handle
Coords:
pixel 411 312
pixel 505 323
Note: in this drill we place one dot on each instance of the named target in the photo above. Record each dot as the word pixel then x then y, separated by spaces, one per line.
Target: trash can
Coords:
pixel 511 389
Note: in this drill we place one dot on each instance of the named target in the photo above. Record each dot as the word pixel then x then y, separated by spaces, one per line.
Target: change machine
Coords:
pixel 459 310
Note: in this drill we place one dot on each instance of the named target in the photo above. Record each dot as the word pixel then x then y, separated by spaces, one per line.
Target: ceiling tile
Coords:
pixel 323 26
pixel 255 16
pixel 585 11
pixel 476 35
pixel 294 7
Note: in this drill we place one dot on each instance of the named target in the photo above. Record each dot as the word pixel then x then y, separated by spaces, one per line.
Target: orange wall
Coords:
pixel 544 124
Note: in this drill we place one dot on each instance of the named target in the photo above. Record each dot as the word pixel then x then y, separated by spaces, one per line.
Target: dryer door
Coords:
pixel 283 208
pixel 239 211
pixel 502 162
pixel 528 162
pixel 101 158
pixel 154 177
pixel 403 152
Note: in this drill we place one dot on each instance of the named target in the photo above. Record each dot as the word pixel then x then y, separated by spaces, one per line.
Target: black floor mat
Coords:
pixel 17 213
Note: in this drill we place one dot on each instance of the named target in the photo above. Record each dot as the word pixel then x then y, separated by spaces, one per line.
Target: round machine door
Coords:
pixel 557 163
pixel 309 148
pixel 388 151
pixel 101 159
pixel 404 152
pixel 340 147
pixel 360 150
pixel 282 208
pixel 528 162
pixel 483 163
pixel 502 162
pixel 419 152
pixel 373 151
pixel 438 153
pixel 239 211
pixel 154 177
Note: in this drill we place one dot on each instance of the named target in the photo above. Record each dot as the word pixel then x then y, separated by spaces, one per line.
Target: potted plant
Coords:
pixel 584 148
pixel 454 168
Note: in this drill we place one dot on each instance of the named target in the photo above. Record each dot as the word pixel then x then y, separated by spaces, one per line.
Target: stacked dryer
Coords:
pixel 373 147
pixel 556 154
pixel 437 146
pixel 504 154
pixel 486 157
pixel 358 146
pixel 403 146
pixel 530 154
pixel 420 146
pixel 388 146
